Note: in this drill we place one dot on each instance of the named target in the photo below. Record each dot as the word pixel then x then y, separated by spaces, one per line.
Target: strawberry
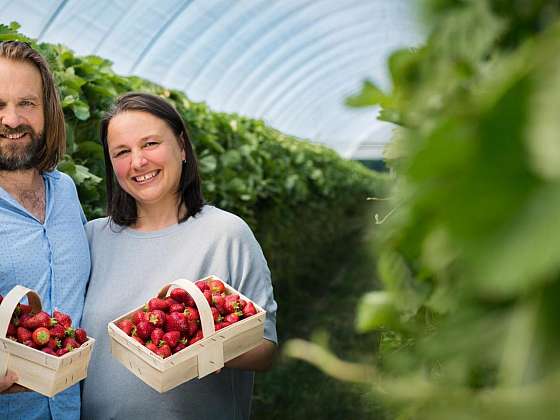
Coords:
pixel 22 320
pixel 192 328
pixel 157 335
pixel 12 330
pixel 30 343
pixel 136 338
pixel 219 301
pixel 151 346
pixel 171 338
pixel 1 298
pixel 157 303
pixel 54 343
pixel 197 337
pixel 81 336
pixel 58 331
pixel 178 307
pixel 180 295
pixel 23 334
pixel 48 350
pixel 164 351
pixel 22 308
pixel 139 316
pixel 41 336
pixel 157 318
pixel 62 352
pixel 208 295
pixel 126 325
pixel 176 321
pixel 249 309
pixel 216 286
pixel 216 314
pixel 144 330
pixel 70 344
pixel 231 303
pixel 242 303
pixel 62 319
pixel 170 301
pixel 233 317
pixel 191 314
pixel 182 344
pixel 202 285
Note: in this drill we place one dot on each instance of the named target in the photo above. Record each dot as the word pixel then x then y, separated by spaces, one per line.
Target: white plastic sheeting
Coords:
pixel 289 62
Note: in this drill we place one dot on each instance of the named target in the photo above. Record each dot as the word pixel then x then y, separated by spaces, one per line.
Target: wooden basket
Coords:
pixel 197 360
pixel 39 371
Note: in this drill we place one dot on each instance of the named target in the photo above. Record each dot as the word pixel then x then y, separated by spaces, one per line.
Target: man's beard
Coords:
pixel 15 155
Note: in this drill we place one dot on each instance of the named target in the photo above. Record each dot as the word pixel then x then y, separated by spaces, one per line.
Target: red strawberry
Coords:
pixel 180 295
pixel 22 320
pixel 48 350
pixel 58 331
pixel 249 309
pixel 216 314
pixel 157 303
pixel 216 286
pixel 219 301
pixel 157 335
pixel 233 317
pixel 12 330
pixel 30 343
pixel 191 314
pixel 192 327
pixel 1 298
pixel 232 303
pixel 178 307
pixel 164 351
pixel 202 285
pixel 62 352
pixel 70 344
pixel 139 316
pixel 41 336
pixel 136 338
pixel 151 346
pixel 81 336
pixel 23 334
pixel 176 321
pixel 54 343
pixel 242 303
pixel 22 308
pixel 62 319
pixel 157 318
pixel 182 344
pixel 144 330
pixel 171 338
pixel 208 296
pixel 170 301
pixel 197 337
pixel 126 325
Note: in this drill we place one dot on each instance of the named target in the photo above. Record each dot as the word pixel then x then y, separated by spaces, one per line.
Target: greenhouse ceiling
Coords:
pixel 288 62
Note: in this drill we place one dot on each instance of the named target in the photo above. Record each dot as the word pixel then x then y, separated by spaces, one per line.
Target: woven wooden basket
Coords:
pixel 197 360
pixel 39 371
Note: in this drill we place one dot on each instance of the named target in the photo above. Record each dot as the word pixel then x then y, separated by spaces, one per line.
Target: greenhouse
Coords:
pixel 277 209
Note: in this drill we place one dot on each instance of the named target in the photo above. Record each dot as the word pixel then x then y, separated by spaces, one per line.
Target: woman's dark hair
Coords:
pixel 121 207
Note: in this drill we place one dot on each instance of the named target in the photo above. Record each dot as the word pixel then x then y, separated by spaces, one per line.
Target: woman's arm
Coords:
pixel 258 359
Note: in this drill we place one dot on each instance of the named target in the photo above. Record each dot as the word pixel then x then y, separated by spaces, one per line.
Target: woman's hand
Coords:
pixel 7 380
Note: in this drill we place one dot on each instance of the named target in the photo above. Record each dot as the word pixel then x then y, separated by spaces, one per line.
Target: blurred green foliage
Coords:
pixel 469 257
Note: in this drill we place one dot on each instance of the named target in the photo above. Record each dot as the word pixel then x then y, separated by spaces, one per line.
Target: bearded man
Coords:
pixel 43 245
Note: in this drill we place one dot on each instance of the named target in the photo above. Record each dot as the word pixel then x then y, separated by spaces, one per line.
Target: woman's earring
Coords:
pixel 184 161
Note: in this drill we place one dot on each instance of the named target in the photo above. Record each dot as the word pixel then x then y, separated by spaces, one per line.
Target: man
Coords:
pixel 42 240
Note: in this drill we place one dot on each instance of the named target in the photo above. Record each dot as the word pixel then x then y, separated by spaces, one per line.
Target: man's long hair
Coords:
pixel 54 131
pixel 121 206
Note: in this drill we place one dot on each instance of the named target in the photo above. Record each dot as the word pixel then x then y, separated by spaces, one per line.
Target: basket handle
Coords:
pixel 206 318
pixel 7 307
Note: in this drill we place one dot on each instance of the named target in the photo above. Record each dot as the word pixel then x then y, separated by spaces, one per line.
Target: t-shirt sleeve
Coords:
pixel 250 275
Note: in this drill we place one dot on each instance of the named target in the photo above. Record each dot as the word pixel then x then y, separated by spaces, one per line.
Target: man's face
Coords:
pixel 22 117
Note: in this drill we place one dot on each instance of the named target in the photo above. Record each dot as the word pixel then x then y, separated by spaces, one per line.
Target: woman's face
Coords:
pixel 146 157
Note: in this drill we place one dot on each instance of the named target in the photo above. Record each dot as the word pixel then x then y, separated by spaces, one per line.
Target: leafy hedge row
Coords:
pixel 301 198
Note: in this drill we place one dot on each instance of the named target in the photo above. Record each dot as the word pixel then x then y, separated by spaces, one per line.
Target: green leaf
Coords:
pixel 369 95
pixel 375 310
pixel 81 110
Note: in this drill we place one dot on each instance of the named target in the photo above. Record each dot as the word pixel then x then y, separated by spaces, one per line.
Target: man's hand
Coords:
pixel 7 380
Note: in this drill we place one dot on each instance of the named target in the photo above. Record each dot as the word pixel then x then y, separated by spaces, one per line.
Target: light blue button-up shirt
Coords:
pixel 53 259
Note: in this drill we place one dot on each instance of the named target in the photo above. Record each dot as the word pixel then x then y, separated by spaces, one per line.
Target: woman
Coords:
pixel 158 229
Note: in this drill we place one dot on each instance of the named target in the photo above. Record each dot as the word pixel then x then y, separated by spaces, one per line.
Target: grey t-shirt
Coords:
pixel 128 268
